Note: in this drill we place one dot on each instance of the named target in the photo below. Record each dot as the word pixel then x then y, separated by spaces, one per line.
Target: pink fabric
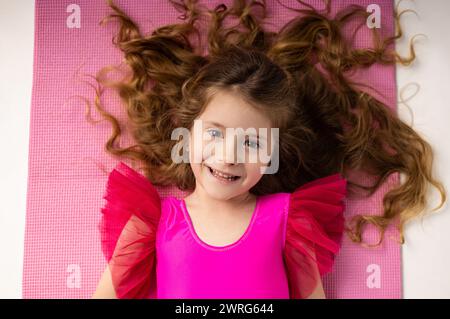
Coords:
pixel 314 230
pixel 68 166
pixel 303 229
pixel 132 210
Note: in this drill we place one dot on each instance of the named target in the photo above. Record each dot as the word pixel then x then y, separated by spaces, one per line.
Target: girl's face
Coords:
pixel 224 168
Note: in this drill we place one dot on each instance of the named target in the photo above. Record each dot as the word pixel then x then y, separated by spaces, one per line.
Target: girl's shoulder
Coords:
pixel 318 204
pixel 171 209
pixel 127 185
pixel 129 197
pixel 327 190
pixel 129 191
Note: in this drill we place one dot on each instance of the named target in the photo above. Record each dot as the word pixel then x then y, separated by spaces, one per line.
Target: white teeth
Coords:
pixel 221 175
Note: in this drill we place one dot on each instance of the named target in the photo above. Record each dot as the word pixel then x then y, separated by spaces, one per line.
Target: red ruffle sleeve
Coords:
pixel 128 227
pixel 314 229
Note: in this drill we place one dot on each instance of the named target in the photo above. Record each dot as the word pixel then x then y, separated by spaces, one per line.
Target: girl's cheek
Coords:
pixel 253 172
pixel 196 152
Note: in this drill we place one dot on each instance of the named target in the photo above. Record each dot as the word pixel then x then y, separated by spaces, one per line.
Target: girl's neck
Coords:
pixel 201 199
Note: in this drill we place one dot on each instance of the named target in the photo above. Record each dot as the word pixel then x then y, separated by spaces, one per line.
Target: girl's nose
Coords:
pixel 230 149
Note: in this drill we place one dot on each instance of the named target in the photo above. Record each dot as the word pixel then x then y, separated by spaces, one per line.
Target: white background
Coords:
pixel 426 257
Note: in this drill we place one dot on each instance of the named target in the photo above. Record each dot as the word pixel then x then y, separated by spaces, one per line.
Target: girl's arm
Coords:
pixel 318 292
pixel 105 288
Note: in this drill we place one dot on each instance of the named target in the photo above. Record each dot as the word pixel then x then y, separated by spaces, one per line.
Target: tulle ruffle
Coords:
pixel 128 232
pixel 314 229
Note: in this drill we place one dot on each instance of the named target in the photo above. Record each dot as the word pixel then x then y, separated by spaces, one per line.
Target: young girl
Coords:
pixel 243 232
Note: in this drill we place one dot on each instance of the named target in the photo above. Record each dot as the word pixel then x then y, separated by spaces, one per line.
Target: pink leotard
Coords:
pixel 154 251
pixel 252 267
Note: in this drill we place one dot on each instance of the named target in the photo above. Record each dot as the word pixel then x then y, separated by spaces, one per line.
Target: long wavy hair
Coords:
pixel 327 123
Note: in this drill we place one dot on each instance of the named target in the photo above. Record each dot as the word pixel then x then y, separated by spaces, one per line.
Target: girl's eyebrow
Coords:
pixel 215 124
pixel 220 125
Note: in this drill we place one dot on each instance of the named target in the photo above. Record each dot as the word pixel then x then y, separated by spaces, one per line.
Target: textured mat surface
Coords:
pixel 63 258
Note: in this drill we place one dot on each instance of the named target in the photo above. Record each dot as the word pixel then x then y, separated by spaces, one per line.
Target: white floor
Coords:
pixel 426 258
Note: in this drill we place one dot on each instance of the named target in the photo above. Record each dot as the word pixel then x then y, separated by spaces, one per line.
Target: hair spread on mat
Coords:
pixel 327 123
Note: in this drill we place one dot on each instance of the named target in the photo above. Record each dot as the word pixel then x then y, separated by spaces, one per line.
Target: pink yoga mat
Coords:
pixel 62 257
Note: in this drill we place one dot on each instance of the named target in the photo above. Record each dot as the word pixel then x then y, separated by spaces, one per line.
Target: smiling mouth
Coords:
pixel 221 175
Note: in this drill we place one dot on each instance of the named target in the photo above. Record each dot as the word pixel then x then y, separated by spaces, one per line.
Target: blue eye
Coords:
pixel 251 144
pixel 215 133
